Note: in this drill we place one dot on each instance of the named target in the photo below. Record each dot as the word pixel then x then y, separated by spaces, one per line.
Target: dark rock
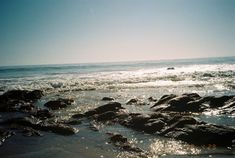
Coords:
pixel 204 134
pixel 118 138
pixel 42 125
pixel 107 99
pixel 154 126
pixel 4 134
pixel 23 95
pixel 164 100
pixel 123 143
pixel 135 101
pixel 59 103
pixel 112 106
pixel 216 102
pixel 151 99
pixel 181 127
pixel 28 132
pixel 73 122
pixel 19 100
pixel 43 114
pixel 78 116
pixel 132 101
pixel 170 68
pixel 192 102
pixel 208 75
pixel 109 115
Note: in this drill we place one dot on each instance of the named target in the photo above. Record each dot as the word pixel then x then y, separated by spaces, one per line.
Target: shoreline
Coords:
pixel 171 107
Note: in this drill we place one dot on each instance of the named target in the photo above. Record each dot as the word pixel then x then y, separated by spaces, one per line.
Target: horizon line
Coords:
pixel 123 61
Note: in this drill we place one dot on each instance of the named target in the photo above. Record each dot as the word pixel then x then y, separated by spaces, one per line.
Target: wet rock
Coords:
pixel 136 121
pixel 170 68
pixel 135 101
pixel 181 127
pixel 37 124
pixel 192 102
pixel 204 134
pixel 107 99
pixel 112 106
pixel 28 132
pixel 22 95
pixel 118 138
pixel 154 126
pixel 73 122
pixel 151 99
pixel 59 103
pixel 78 116
pixel 123 143
pixel 43 114
pixel 19 100
pixel 208 75
pixel 109 115
pixel 164 100
pixel 132 101
pixel 4 134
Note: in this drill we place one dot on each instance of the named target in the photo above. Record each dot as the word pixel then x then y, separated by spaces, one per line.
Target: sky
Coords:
pixel 81 31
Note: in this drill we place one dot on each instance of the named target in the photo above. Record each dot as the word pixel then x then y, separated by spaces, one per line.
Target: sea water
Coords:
pixel 87 84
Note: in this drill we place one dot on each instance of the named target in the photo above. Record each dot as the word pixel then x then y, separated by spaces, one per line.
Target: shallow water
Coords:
pixel 87 84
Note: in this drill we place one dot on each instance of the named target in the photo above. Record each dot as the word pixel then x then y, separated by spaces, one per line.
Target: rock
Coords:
pixel 170 68
pixel 43 114
pixel 19 100
pixel 42 125
pixel 216 102
pixel 151 99
pixel 73 122
pixel 164 100
pixel 112 106
pixel 208 75
pixel 23 95
pixel 192 102
pixel 107 99
pixel 122 142
pixel 132 101
pixel 154 126
pixel 118 138
pixel 28 132
pixel 135 101
pixel 78 116
pixel 106 116
pixel 181 127
pixel 59 103
pixel 4 134
pixel 204 134
pixel 136 121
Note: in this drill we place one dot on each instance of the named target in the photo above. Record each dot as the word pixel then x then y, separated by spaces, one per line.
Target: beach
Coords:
pixel 137 86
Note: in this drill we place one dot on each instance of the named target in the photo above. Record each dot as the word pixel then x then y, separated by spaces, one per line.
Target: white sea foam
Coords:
pixel 220 77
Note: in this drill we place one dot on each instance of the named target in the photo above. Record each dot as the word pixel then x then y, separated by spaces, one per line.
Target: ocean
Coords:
pixel 87 84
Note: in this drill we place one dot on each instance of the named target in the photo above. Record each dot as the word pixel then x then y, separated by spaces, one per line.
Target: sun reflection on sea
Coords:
pixel 172 147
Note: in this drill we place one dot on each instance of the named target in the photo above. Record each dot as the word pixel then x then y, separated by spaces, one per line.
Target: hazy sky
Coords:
pixel 77 31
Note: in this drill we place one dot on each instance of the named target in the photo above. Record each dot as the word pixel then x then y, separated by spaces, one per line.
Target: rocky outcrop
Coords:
pixel 192 102
pixel 135 101
pixel 123 143
pixel 37 124
pixel 28 118
pixel 107 99
pixel 4 134
pixel 110 107
pixel 181 127
pixel 59 103
pixel 19 100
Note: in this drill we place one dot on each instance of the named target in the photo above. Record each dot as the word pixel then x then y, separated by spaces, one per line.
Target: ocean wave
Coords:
pixel 217 77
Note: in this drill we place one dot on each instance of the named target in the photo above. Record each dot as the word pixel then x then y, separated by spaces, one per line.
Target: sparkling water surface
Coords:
pixel 89 83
